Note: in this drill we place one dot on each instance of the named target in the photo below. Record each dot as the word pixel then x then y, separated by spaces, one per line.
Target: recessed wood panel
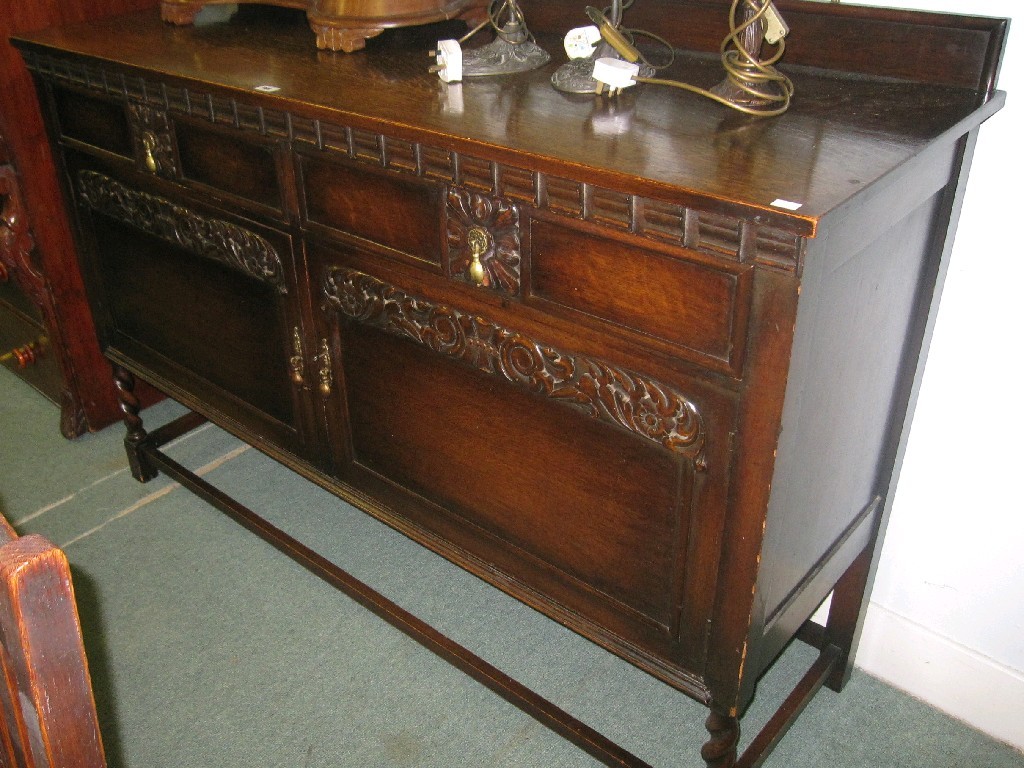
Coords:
pixel 557 488
pixel 398 213
pixel 682 302
pixel 93 121
pixel 223 162
pixel 223 326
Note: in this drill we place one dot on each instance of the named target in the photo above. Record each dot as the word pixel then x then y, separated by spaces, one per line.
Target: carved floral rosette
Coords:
pixel 602 391
pixel 213 239
pixel 502 260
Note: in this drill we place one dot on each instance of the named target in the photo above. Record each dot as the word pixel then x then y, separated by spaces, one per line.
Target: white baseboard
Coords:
pixel 948 676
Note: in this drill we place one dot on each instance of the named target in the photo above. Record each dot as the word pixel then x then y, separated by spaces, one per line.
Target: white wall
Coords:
pixel 946 621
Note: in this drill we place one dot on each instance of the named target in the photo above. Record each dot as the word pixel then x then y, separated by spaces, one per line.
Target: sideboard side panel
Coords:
pixel 864 287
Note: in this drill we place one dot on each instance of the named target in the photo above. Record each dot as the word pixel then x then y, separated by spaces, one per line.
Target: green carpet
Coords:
pixel 209 648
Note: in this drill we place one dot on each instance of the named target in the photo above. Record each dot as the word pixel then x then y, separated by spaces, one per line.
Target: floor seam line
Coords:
pixel 53 505
pixel 43 510
pixel 158 494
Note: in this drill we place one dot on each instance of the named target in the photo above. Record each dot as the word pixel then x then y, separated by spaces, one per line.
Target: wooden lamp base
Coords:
pixel 346 25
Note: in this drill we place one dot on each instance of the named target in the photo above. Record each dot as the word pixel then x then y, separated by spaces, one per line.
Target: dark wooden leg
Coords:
pixel 846 617
pixel 142 469
pixel 720 749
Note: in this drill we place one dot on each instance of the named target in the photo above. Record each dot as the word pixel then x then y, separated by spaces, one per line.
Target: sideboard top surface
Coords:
pixel 842 134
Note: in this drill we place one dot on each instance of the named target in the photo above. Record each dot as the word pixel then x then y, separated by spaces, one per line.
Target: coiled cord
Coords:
pixel 759 88
pixel 495 10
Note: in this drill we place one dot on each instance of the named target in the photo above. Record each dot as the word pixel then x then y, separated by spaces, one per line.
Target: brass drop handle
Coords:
pixel 295 362
pixel 149 147
pixel 325 368
pixel 479 240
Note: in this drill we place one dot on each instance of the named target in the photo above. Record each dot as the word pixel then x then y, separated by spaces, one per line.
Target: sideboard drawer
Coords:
pixel 94 121
pixel 200 155
pixel 242 165
pixel 396 212
pixel 700 310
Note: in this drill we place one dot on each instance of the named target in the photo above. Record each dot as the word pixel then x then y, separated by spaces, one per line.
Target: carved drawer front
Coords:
pixel 565 473
pixel 699 311
pixel 204 301
pixel 226 161
pixel 138 132
pixel 394 212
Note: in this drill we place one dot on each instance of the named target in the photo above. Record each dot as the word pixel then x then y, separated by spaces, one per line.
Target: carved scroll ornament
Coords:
pixel 602 391
pixel 214 239
pixel 16 242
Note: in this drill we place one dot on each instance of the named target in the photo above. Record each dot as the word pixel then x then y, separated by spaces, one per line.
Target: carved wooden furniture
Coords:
pixel 24 342
pixel 346 25
pixel 47 714
pixel 644 365
pixel 46 331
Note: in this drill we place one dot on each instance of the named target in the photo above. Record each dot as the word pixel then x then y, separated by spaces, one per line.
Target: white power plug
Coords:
pixel 614 73
pixel 449 60
pixel 581 42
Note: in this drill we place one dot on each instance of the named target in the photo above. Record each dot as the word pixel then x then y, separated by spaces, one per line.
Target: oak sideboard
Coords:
pixel 643 363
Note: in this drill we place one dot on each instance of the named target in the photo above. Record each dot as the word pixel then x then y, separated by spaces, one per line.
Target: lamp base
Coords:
pixel 509 53
pixel 576 76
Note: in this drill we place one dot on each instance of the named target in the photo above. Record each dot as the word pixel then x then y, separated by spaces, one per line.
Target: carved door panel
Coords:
pixel 567 480
pixel 198 301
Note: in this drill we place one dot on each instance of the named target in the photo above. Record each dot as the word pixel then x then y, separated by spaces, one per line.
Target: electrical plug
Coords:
pixel 448 55
pixel 775 27
pixel 616 74
pixel 581 42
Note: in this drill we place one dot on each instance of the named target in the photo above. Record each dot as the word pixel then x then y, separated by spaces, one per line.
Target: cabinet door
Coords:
pixel 198 301
pixel 564 479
